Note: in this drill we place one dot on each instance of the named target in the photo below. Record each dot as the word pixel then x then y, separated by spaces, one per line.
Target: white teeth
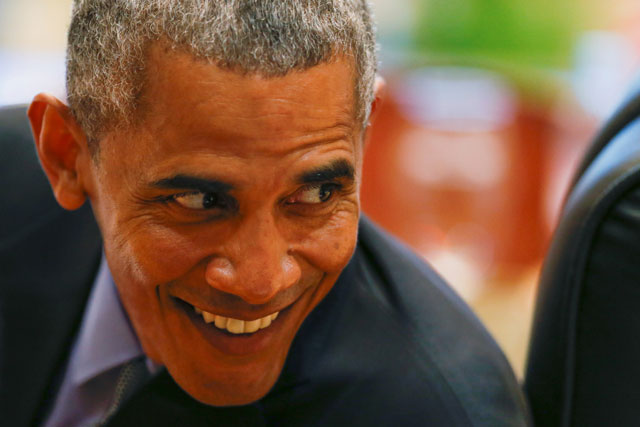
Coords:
pixel 221 322
pixel 251 326
pixel 208 317
pixel 265 321
pixel 237 326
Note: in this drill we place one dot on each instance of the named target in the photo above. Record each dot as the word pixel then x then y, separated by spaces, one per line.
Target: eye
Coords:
pixel 199 200
pixel 313 194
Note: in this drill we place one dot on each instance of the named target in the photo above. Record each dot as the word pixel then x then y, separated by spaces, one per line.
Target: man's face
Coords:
pixel 235 195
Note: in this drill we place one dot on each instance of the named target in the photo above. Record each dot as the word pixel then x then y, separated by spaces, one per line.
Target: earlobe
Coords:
pixel 380 91
pixel 61 147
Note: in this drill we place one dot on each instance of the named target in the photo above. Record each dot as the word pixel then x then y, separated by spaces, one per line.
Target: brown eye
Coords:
pixel 325 192
pixel 313 194
pixel 198 200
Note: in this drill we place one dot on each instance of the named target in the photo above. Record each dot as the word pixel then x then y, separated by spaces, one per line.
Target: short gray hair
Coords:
pixel 108 42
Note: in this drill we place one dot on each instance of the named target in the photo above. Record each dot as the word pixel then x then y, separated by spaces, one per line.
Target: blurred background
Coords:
pixel 490 105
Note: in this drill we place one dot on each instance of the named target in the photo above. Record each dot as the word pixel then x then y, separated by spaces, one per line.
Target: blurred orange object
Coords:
pixel 455 167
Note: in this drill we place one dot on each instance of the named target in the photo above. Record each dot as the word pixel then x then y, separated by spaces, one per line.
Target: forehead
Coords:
pixel 187 99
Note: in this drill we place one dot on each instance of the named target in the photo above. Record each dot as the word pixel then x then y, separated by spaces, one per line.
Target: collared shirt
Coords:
pixel 104 343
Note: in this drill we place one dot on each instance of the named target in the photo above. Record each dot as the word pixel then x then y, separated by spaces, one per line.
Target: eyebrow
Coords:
pixel 335 170
pixel 185 182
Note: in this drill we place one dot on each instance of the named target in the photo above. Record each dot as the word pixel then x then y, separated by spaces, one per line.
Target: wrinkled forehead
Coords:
pixel 191 105
pixel 170 72
pixel 180 89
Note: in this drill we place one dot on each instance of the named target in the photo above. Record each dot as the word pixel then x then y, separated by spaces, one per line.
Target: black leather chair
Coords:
pixel 583 367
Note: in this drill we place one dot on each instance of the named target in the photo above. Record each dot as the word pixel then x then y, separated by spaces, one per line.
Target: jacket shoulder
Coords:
pixel 26 197
pixel 48 260
pixel 445 350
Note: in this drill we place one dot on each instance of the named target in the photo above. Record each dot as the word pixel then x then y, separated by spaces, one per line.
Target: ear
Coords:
pixel 61 147
pixel 380 92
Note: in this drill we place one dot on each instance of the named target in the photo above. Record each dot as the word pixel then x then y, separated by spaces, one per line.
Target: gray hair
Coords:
pixel 108 41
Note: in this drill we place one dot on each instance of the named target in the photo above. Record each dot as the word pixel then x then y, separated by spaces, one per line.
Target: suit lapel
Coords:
pixel 47 275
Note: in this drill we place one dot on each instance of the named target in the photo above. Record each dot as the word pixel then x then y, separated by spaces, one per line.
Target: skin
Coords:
pixel 236 194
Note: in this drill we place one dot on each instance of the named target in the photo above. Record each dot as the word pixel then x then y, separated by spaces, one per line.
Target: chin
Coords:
pixel 236 400
pixel 234 391
pixel 229 396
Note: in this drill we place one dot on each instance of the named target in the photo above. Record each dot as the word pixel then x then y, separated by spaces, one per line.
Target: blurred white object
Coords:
pixel 457 99
pixel 32 44
pixel 460 112
pixel 22 75
pixel 605 64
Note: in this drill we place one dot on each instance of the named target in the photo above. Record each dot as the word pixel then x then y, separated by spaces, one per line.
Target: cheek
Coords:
pixel 330 247
pixel 158 255
pixel 140 262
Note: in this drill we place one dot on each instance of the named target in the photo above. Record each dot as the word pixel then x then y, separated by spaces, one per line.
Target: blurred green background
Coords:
pixel 539 33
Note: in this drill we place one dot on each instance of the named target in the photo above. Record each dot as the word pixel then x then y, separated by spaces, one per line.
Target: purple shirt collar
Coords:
pixel 106 338
pixel 103 344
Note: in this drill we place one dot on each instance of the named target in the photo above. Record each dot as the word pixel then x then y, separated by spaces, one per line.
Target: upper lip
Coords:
pixel 254 314
pixel 232 306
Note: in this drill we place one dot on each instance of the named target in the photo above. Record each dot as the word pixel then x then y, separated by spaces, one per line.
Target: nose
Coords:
pixel 255 263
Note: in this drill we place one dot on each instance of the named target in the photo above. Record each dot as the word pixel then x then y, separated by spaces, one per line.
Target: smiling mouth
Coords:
pixel 237 326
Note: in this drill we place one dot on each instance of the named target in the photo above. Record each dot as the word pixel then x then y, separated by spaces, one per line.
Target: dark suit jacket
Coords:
pixel 48 259
pixel 390 344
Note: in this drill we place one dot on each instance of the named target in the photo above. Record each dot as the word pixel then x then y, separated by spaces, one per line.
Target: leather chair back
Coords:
pixel 583 366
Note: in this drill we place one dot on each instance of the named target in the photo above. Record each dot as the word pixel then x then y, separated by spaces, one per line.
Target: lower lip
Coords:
pixel 235 344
